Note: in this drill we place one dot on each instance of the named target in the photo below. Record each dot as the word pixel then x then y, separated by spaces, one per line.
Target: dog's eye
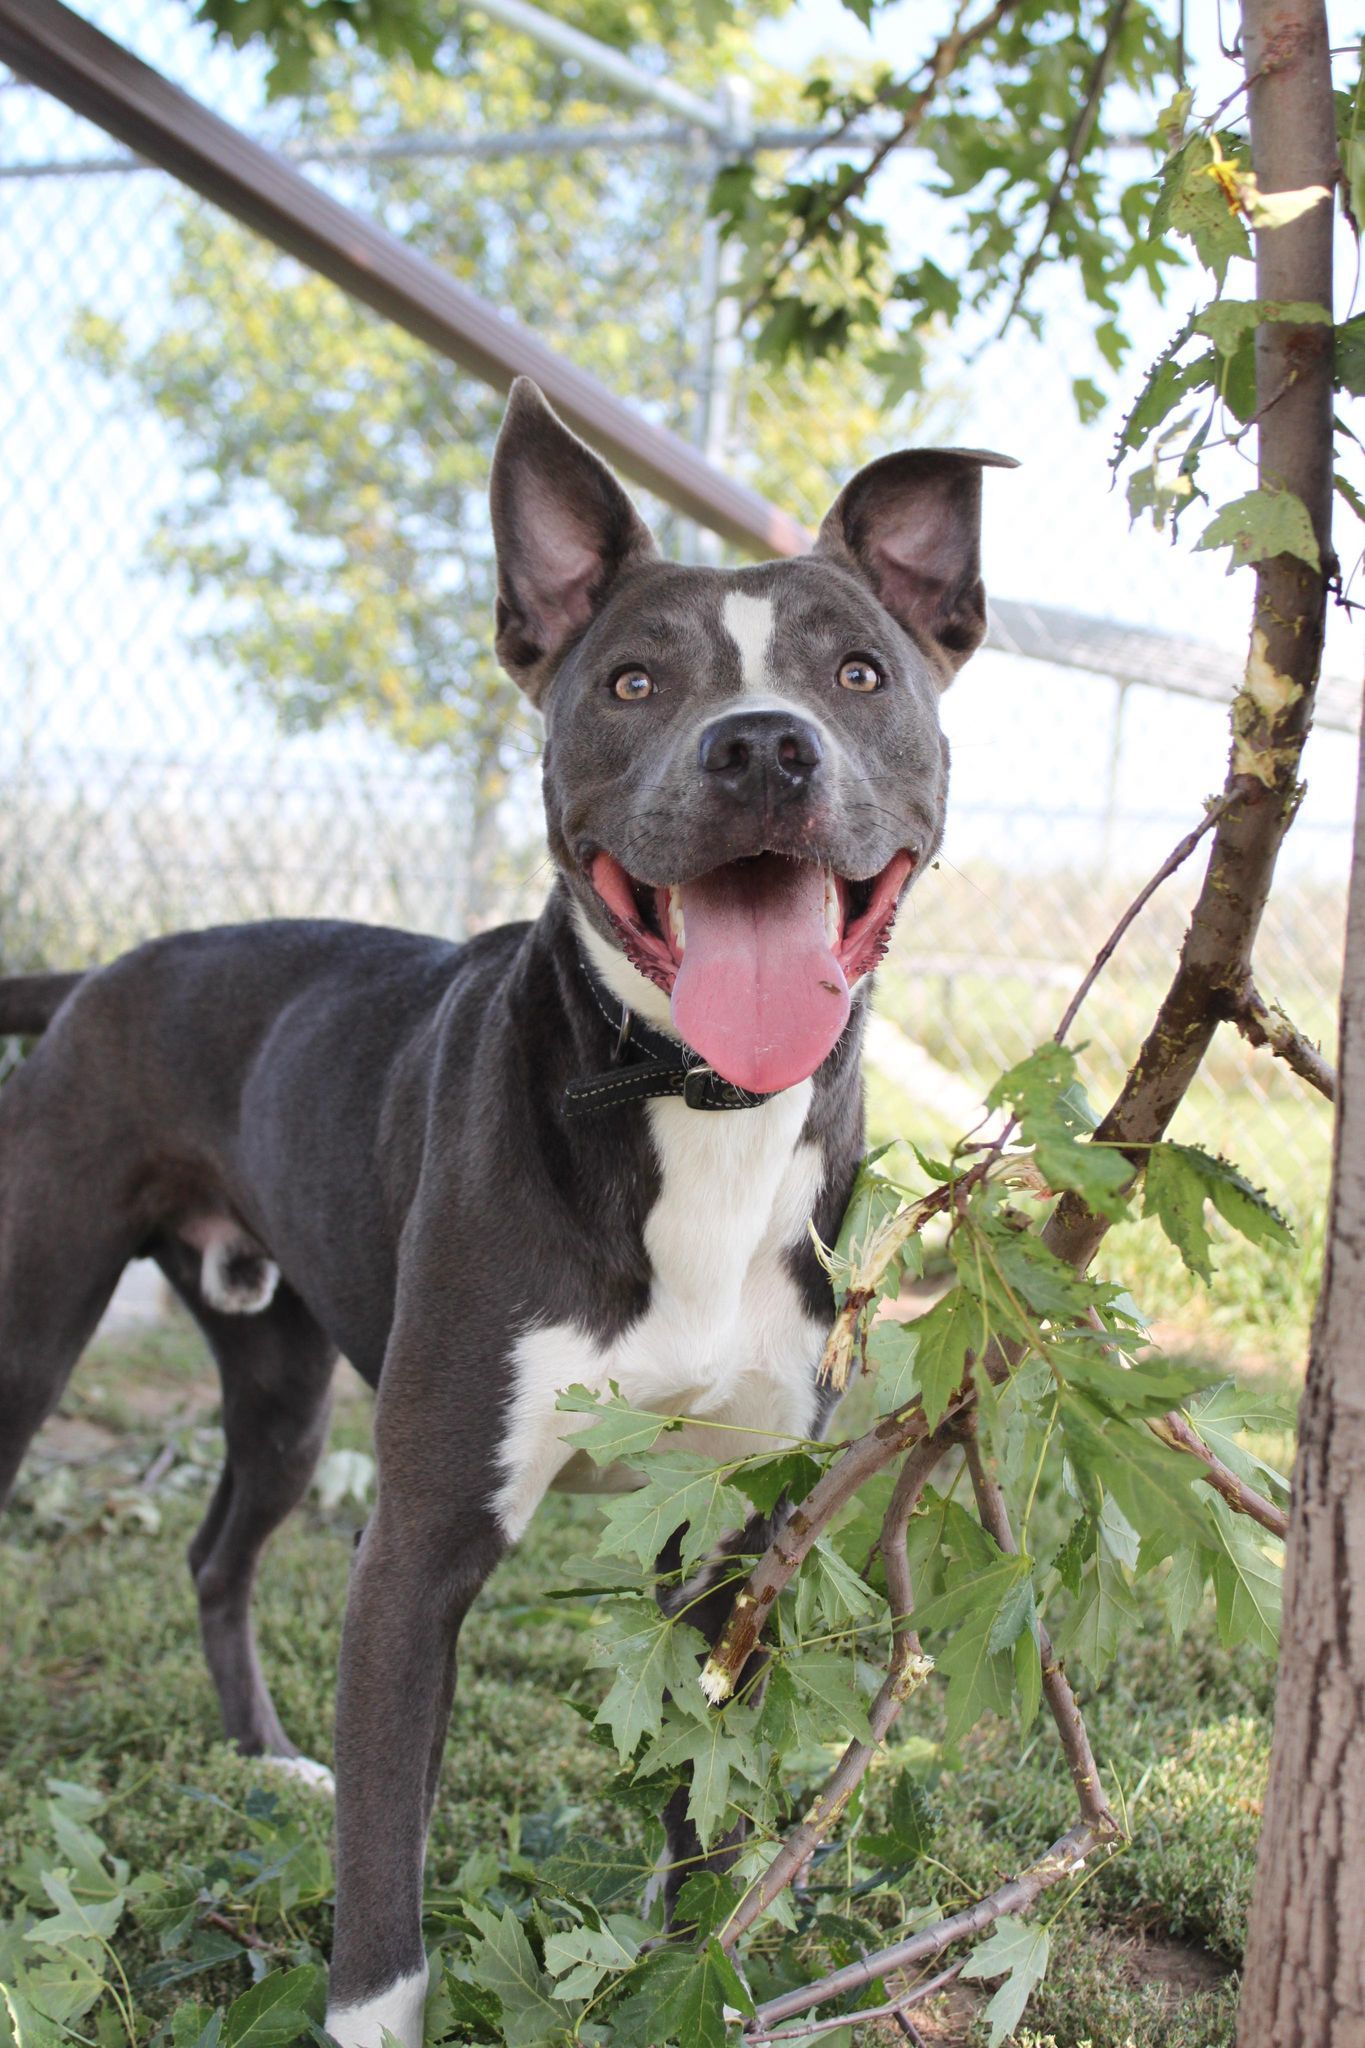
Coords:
pixel 632 685
pixel 859 674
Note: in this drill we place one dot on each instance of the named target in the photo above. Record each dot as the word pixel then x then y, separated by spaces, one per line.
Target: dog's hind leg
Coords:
pixel 276 1370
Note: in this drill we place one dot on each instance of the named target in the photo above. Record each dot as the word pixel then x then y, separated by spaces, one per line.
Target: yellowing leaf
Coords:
pixel 1260 525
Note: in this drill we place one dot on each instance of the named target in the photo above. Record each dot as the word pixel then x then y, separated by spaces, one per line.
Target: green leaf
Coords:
pixel 1039 1091
pixel 1222 1418
pixel 910 1828
pixel 1183 1591
pixel 1175 1193
pixel 1019 1954
pixel 976 1587
pixel 66 1986
pixel 74 1920
pixel 706 1901
pixel 708 1751
pixel 1105 1610
pixel 277 2010
pixel 826 1677
pixel 1180 1179
pixel 953 1327
pixel 646 1657
pixel 1149 1387
pixel 1228 322
pixel 1260 525
pixel 616 1430
pixel 1247 1582
pixel 1028 1678
pixel 986 1598
pixel 1019 1268
pixel 681 1488
pixel 681 2001
pixel 578 1958
pixel 1090 400
pixel 597 1871
pixel 83 1853
pixel 502 1962
pixel 829 1591
pixel 1350 353
pixel 892 1348
pixel 788 1476
pixel 873 1202
pixel 1151 1482
pixel 1195 206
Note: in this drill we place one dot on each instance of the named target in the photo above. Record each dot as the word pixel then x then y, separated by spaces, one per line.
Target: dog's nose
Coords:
pixel 756 753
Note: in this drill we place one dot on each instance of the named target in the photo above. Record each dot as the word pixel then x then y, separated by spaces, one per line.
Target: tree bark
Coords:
pixel 1305 1977
pixel 1305 1972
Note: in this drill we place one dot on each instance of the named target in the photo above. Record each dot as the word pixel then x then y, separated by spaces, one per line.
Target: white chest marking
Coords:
pixel 749 623
pixel 727 1336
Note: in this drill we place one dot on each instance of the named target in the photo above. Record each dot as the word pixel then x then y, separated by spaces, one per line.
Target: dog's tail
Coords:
pixel 29 1002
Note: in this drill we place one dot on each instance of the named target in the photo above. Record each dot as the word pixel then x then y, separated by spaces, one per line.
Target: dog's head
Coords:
pixel 744 769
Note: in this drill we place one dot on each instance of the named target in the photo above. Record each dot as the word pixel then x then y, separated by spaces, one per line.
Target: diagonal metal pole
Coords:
pixel 56 49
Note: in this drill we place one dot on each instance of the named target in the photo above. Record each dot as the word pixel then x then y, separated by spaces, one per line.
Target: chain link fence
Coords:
pixel 244 612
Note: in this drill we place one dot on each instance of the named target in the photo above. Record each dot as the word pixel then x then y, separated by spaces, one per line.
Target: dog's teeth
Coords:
pixel 831 910
pixel 675 918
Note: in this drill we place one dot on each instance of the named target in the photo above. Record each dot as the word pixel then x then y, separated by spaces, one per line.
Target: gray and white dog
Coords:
pixel 578 1150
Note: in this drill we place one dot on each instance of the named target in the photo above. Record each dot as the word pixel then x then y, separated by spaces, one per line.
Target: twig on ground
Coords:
pixel 245 1935
pixel 157 1470
pixel 1266 1024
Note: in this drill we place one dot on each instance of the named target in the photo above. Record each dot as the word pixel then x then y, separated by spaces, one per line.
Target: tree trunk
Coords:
pixel 1305 1972
pixel 1305 1978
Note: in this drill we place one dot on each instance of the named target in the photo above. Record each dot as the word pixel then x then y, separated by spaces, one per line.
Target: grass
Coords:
pixel 101 1682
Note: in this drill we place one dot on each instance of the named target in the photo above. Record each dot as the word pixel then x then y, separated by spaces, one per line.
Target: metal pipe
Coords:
pixel 100 80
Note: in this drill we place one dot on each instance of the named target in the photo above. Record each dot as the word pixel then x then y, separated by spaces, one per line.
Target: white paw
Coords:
pixel 305 1771
pixel 398 2012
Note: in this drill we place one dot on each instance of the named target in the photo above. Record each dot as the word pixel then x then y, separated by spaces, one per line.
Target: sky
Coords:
pixel 84 618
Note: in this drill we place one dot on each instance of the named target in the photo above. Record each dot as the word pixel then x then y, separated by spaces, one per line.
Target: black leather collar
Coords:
pixel 646 1063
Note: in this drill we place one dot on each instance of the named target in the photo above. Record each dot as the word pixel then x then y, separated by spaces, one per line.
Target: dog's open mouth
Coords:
pixel 757 956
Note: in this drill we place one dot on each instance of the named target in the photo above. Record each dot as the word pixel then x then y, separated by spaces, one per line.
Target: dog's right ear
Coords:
pixel 564 531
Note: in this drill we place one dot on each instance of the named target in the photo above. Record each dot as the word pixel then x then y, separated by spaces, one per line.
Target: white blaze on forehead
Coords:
pixel 749 622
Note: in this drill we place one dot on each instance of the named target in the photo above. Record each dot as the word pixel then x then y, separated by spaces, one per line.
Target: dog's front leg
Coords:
pixel 419 1564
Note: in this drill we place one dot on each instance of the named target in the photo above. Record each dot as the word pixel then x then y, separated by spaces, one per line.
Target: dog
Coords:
pixel 585 1149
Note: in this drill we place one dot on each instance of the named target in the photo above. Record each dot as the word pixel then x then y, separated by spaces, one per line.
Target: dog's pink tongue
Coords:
pixel 760 994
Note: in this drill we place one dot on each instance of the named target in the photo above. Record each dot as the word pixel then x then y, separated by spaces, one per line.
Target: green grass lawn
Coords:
pixel 102 1684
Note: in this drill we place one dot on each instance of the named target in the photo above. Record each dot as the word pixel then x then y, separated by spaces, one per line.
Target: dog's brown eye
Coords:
pixel 857 674
pixel 632 685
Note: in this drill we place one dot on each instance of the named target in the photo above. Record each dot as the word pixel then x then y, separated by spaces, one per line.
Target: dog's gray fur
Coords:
pixel 377 1119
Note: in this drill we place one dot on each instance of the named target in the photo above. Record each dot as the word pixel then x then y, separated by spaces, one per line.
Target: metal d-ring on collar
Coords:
pixel 647 1064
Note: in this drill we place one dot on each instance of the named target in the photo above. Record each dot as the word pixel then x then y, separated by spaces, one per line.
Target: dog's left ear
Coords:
pixel 910 525
pixel 564 530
